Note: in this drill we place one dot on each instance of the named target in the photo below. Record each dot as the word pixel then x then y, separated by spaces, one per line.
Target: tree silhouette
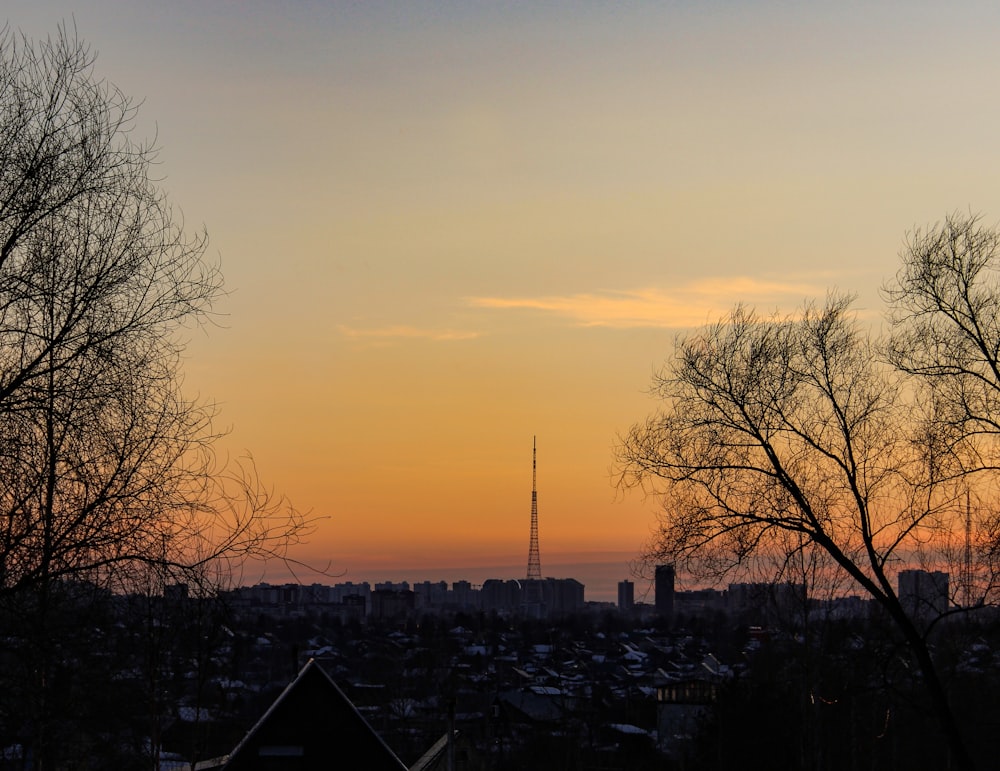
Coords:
pixel 805 440
pixel 107 470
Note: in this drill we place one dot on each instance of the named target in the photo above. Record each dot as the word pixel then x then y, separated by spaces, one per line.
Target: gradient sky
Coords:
pixel 450 226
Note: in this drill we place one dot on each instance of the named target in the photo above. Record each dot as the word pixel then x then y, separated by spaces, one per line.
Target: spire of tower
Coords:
pixel 967 578
pixel 534 563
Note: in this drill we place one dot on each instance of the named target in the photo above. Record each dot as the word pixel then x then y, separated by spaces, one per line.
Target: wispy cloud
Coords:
pixel 683 305
pixel 403 332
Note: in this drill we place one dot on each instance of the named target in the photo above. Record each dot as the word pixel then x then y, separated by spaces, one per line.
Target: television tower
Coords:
pixel 534 563
pixel 967 578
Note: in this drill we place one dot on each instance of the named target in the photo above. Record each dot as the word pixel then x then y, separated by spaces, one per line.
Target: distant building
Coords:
pixel 350 589
pixel 664 588
pixel 852 606
pixel 393 586
pixel 783 603
pixel 464 596
pixel 430 594
pixel 175 592
pixel 394 600
pixel 561 596
pixel 532 604
pixel 626 596
pixel 353 607
pixel 923 594
pixel 392 603
pixel 699 602
pixel 499 595
pixel 315 594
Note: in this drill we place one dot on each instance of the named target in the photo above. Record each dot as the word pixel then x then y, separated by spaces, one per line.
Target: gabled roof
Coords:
pixel 435 756
pixel 312 725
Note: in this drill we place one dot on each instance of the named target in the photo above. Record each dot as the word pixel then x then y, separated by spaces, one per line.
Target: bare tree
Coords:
pixel 103 460
pixel 945 314
pixel 945 305
pixel 107 470
pixel 785 436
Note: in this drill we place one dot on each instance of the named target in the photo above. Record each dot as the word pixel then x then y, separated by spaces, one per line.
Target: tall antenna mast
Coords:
pixel 968 550
pixel 534 563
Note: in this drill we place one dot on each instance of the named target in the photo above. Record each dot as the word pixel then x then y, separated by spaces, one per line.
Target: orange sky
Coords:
pixel 451 226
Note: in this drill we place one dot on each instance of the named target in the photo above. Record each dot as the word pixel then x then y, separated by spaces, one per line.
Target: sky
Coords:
pixel 449 227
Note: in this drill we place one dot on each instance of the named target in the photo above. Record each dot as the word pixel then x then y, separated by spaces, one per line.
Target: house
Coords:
pixel 312 725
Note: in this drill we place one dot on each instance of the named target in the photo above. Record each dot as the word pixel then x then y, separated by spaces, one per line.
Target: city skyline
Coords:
pixel 450 227
pixel 599 576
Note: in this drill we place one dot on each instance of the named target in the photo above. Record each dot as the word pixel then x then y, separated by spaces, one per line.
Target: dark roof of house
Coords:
pixel 532 706
pixel 436 756
pixel 312 725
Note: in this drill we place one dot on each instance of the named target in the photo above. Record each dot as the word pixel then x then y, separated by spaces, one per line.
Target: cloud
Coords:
pixel 684 305
pixel 403 332
pixel 679 306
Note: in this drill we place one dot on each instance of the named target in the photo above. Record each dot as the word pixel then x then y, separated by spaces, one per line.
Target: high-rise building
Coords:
pixel 464 596
pixel 500 595
pixel 664 587
pixel 392 603
pixel 923 593
pixel 626 596
pixel 561 596
pixel 768 602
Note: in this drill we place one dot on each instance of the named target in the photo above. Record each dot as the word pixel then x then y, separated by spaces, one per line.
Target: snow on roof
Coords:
pixel 627 728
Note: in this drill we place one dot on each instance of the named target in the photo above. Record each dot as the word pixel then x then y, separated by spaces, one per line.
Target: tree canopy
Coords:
pixel 811 439
pixel 105 464
pixel 109 478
